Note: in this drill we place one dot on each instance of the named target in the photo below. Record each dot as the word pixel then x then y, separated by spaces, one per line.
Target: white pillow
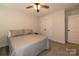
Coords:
pixel 28 31
pixel 16 32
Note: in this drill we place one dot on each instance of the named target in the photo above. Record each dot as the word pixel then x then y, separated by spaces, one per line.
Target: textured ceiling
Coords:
pixel 53 7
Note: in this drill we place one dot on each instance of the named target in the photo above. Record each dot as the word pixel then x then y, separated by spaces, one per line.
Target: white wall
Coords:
pixel 54 24
pixel 12 19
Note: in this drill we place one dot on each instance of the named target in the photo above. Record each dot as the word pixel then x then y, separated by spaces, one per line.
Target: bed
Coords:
pixel 28 45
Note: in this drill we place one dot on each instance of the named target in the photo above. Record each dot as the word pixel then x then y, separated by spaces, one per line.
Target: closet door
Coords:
pixel 73 29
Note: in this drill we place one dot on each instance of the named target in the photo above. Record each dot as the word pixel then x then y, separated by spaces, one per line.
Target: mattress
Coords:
pixel 27 45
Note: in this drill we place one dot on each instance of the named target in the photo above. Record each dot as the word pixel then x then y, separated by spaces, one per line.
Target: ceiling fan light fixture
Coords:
pixel 38 7
pixel 35 7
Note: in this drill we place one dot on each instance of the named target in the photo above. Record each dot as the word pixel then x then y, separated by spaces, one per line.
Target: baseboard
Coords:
pixel 57 41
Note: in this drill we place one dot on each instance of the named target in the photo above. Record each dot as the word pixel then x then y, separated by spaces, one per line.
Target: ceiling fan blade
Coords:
pixel 44 6
pixel 29 7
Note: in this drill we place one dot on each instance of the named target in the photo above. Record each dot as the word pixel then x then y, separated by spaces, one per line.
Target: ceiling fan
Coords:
pixel 37 6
